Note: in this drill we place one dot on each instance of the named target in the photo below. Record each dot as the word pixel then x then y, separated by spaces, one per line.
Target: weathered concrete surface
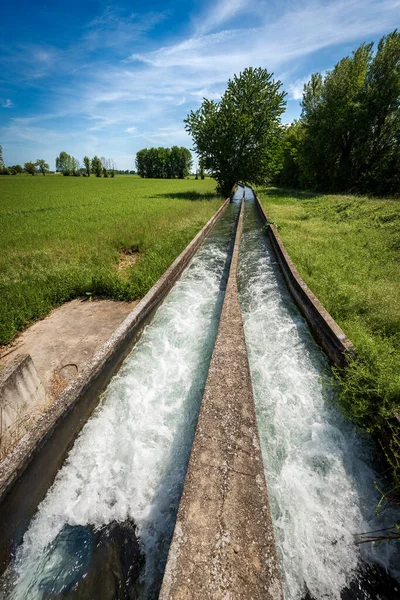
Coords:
pixel 62 344
pixel 44 447
pixel 326 331
pixel 22 396
pixel 223 545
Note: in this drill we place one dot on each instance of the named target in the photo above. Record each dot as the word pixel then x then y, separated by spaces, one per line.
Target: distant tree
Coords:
pixel 16 169
pixel 42 165
pixel 164 163
pixel 63 163
pixel 30 168
pixel 239 136
pixel 96 166
pixel 2 165
pixel 66 164
pixel 86 162
pixel 105 172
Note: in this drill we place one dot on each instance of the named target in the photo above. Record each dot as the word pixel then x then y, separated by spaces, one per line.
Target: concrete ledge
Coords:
pixel 223 544
pixel 325 329
pixel 22 395
pixel 44 447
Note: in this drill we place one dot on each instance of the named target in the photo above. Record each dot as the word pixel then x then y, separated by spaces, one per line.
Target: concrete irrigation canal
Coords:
pixel 225 394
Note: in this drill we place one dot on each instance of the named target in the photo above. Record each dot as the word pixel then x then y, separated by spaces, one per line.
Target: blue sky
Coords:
pixel 108 79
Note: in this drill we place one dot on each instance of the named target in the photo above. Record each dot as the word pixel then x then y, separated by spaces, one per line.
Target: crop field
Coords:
pixel 62 237
pixel 347 249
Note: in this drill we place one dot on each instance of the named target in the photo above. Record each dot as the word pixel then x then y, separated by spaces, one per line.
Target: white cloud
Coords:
pixel 6 103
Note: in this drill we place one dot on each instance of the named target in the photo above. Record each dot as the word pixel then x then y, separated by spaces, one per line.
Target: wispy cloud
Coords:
pixel 220 14
pixel 118 86
pixel 6 103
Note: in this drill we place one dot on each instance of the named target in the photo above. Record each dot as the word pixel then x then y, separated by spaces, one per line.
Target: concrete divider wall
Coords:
pixel 45 446
pixel 223 544
pixel 325 329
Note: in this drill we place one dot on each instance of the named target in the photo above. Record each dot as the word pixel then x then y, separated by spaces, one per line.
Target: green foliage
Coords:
pixel 66 164
pixel 238 137
pixel 96 166
pixel 16 169
pixel 292 140
pixel 62 237
pixel 30 168
pixel 347 250
pixel 348 137
pixel 164 163
pixel 2 165
pixel 42 165
pixel 86 162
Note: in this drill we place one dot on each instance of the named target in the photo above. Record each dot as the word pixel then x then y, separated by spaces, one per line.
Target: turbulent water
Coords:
pixel 318 472
pixel 129 462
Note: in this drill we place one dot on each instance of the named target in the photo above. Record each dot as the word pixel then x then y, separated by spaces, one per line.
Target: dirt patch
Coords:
pixel 127 258
pixel 64 342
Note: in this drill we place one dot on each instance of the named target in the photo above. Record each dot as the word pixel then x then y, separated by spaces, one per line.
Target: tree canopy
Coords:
pixel 237 138
pixel 348 137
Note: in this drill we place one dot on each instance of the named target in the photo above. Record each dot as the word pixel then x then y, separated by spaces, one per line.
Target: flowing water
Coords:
pixel 318 470
pixel 129 462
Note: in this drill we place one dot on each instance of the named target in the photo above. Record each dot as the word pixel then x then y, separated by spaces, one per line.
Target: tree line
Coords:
pixel 66 164
pixel 164 163
pixel 70 166
pixel 346 140
pixel 40 166
pixel 348 135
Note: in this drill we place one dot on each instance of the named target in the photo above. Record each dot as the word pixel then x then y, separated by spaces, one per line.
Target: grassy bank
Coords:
pixel 347 249
pixel 61 238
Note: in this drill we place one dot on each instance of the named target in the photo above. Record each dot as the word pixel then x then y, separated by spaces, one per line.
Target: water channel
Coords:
pixel 103 531
pixel 129 462
pixel 318 469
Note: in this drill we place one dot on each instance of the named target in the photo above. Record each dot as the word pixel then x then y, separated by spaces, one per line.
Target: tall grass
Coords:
pixel 347 249
pixel 61 238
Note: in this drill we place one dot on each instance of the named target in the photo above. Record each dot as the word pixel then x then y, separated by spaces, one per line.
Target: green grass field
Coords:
pixel 61 238
pixel 347 249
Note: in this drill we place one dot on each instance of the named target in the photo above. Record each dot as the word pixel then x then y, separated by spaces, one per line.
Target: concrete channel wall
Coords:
pixel 325 329
pixel 223 544
pixel 27 473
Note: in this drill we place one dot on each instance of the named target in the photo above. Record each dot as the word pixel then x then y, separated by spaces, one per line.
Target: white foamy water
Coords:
pixel 318 472
pixel 130 459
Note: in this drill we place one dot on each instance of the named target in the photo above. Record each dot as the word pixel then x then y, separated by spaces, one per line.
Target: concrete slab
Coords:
pixel 223 545
pixel 63 343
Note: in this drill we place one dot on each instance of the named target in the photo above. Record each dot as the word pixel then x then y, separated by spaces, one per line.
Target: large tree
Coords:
pixel 238 137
